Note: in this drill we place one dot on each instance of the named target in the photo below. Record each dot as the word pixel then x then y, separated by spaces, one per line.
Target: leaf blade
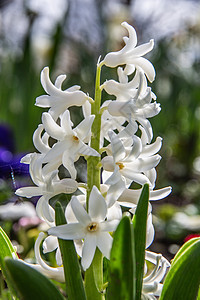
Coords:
pixel 122 263
pixel 29 283
pixel 183 279
pixel 140 228
pixel 74 283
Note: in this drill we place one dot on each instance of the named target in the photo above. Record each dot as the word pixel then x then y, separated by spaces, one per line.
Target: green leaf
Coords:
pixel 140 228
pixel 183 279
pixel 183 248
pixel 29 283
pixel 74 283
pixel 6 250
pixel 122 263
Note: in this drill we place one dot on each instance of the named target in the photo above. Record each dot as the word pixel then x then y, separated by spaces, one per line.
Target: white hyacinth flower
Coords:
pixel 131 56
pixel 47 186
pixel 132 166
pixel 70 145
pixel 152 287
pixel 57 99
pixel 138 108
pixel 90 226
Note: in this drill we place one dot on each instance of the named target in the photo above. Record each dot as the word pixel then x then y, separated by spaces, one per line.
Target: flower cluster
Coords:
pixel 129 155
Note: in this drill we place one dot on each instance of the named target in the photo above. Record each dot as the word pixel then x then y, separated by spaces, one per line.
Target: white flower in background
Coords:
pixel 71 142
pixel 57 99
pixel 131 56
pixel 56 273
pixel 47 186
pixel 90 226
pixel 152 287
pixel 133 165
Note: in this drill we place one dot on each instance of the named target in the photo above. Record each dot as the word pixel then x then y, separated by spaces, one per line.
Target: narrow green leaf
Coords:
pixel 74 283
pixel 29 283
pixel 183 279
pixel 140 227
pixel 184 248
pixel 122 263
pixel 6 250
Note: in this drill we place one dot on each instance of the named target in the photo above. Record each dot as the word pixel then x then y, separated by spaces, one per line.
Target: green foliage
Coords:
pixel 122 263
pixel 29 283
pixel 183 279
pixel 6 250
pixel 140 225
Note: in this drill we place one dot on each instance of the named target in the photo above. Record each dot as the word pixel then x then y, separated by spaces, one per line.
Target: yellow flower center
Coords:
pixel 121 166
pixel 75 138
pixel 92 227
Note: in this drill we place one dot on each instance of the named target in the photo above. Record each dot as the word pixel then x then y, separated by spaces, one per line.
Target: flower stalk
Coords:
pixel 94 275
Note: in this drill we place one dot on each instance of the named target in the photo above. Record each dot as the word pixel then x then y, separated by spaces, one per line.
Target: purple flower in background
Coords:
pixel 10 162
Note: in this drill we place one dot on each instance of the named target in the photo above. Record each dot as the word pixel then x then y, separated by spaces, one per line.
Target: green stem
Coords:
pixel 94 275
pixel 93 167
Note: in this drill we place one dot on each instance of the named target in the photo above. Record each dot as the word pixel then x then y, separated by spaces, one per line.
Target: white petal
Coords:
pixel 51 127
pixel 104 243
pixel 118 149
pixel 136 149
pixel 59 81
pixel 97 205
pixel 86 150
pixel 29 191
pixel 109 226
pixel 79 212
pixel 58 257
pixel 147 126
pixel 68 231
pixel 38 141
pixel 50 244
pixel 66 123
pixel 144 164
pixel 46 82
pixel 114 191
pixel 137 177
pixel 43 101
pixel 114 212
pixel 68 162
pixel 160 194
pixel 44 210
pixel 143 49
pixel 146 66
pixel 89 248
pixel 83 129
pixel 108 163
pixel 153 148
pixel 56 152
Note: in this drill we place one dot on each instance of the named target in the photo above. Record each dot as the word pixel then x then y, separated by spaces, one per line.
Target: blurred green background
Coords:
pixel 69 36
